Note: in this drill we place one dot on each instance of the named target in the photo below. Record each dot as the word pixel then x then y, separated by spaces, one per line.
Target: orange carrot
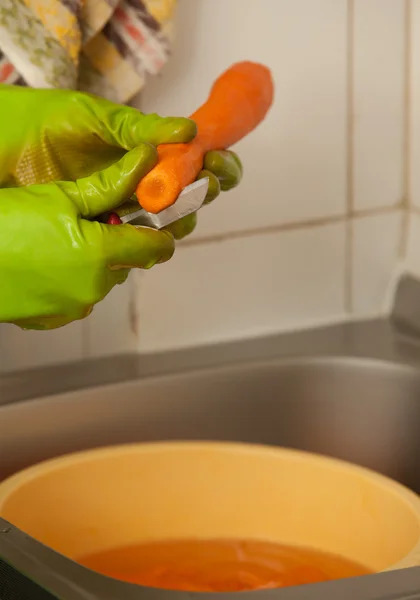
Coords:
pixel 239 100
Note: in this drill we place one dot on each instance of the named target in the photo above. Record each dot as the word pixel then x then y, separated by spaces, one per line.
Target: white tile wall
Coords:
pixel 25 349
pixel 374 263
pixel 243 287
pixel 413 246
pixel 338 128
pixel 109 329
pixel 295 162
pixel 415 105
pixel 280 251
pixel 378 112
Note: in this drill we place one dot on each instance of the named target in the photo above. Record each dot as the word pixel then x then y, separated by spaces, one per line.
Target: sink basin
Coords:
pixel 350 391
pixel 361 410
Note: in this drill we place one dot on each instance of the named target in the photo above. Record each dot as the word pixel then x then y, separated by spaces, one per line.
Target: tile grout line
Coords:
pixel 348 256
pixel 406 148
pixel 415 210
pixel 291 226
pixel 133 309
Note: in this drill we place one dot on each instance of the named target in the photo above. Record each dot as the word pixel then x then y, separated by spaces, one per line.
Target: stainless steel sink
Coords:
pixel 364 411
pixel 351 391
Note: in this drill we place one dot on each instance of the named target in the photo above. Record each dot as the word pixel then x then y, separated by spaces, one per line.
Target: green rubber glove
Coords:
pixel 56 261
pixel 61 135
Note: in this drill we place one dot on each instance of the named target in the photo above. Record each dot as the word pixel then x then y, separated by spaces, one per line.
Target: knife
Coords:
pixel 189 201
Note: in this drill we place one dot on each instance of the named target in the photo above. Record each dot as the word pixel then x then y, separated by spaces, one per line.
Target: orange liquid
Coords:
pixel 220 565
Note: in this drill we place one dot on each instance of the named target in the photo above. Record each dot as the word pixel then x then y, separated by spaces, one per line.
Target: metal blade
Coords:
pixel 189 200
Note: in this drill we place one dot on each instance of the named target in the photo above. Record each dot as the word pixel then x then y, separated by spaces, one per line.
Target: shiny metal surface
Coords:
pixel 364 411
pixel 379 339
pixel 189 200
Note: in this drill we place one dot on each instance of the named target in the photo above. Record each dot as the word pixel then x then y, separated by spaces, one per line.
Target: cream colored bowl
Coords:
pixel 91 501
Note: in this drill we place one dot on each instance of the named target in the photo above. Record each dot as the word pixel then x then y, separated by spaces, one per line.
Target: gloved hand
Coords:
pixel 56 262
pixel 61 135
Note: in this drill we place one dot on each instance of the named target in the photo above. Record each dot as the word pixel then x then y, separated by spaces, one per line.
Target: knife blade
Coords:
pixel 189 201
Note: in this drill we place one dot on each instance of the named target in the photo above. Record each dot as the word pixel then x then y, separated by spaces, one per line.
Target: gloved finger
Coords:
pixel 126 246
pixel 107 189
pixel 123 275
pixel 127 127
pixel 214 185
pixel 183 227
pixel 55 322
pixel 226 166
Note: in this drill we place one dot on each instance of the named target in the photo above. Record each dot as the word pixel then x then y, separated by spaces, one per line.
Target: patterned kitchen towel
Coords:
pixel 106 47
